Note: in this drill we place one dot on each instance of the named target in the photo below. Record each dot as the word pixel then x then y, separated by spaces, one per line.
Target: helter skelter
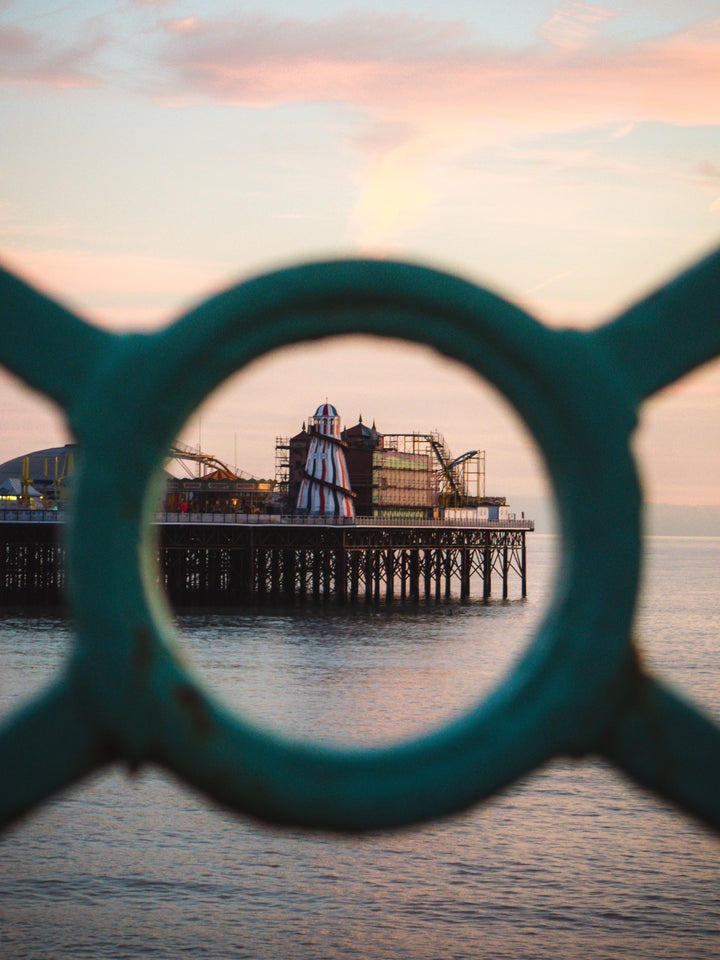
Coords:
pixel 325 488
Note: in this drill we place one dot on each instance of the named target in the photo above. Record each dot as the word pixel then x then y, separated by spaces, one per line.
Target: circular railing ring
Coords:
pixel 560 696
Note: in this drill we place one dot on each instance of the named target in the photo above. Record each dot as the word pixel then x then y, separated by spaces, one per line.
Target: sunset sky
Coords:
pixel 566 155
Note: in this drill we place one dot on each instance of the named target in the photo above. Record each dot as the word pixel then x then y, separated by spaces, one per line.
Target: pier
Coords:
pixel 239 559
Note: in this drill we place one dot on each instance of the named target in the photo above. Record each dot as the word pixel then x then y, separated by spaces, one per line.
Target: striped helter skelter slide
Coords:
pixel 325 488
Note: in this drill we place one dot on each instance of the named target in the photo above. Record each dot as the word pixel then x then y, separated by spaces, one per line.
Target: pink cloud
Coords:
pixel 25 58
pixel 100 282
pixel 574 25
pixel 185 25
pixel 14 42
pixel 352 37
pixel 429 90
pixel 411 67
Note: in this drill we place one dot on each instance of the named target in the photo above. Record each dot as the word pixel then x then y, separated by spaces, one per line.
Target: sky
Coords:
pixel 564 154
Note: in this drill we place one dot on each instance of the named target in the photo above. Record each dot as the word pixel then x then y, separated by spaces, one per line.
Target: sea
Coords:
pixel 572 862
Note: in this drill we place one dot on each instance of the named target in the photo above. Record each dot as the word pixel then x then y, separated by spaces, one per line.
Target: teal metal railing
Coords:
pixel 581 688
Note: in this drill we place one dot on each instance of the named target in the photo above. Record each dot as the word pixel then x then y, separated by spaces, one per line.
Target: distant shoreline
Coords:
pixel 659 519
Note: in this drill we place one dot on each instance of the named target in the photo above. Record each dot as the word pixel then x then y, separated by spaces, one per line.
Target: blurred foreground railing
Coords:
pixel 580 689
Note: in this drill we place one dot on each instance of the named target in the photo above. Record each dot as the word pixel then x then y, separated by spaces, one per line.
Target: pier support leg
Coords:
pixel 354 574
pixel 316 575
pixel 464 574
pixel 261 566
pixel 326 574
pixel 389 573
pixel 288 574
pixel 341 590
pixel 302 575
pixel 415 575
pixel 274 573
pixel 240 575
pixel 487 572
pixel 427 572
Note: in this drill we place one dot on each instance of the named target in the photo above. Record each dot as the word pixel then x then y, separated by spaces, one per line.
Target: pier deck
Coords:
pixel 226 559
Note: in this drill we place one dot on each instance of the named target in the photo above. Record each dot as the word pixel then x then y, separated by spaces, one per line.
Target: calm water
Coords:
pixel 572 863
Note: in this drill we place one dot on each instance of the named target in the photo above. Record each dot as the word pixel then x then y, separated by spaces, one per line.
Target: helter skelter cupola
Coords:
pixel 325 487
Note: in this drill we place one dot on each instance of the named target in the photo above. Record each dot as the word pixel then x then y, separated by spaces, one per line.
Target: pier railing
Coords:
pixel 32 516
pixel 270 519
pixel 265 519
pixel 581 688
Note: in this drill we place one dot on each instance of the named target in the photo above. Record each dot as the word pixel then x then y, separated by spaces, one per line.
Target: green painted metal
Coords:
pixel 580 689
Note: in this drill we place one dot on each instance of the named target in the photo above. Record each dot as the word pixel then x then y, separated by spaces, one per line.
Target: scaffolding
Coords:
pixel 282 466
pixel 460 480
pixel 433 479
pixel 403 484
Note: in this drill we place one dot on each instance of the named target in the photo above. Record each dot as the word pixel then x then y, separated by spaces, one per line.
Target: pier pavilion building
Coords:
pixel 411 476
pixel 422 526
pixel 37 478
